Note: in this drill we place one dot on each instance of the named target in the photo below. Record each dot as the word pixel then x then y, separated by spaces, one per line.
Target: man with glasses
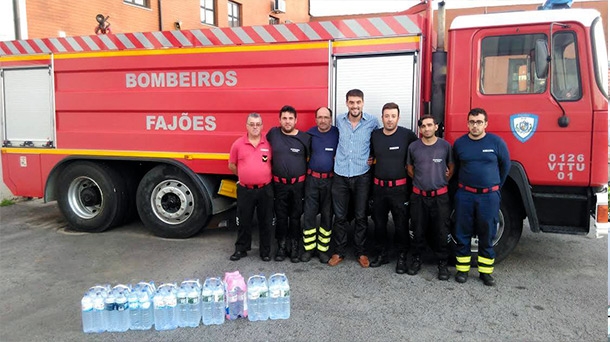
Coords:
pixel 291 150
pixel 483 163
pixel 324 140
pixel 250 160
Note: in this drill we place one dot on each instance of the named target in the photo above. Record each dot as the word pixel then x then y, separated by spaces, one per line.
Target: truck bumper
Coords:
pixel 601 213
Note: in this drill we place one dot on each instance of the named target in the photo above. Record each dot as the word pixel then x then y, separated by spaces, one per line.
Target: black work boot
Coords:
pixel 415 265
pixel 306 256
pixel 487 279
pixel 461 277
pixel 380 259
pixel 323 257
pixel 280 255
pixel 443 272
pixel 401 264
pixel 294 250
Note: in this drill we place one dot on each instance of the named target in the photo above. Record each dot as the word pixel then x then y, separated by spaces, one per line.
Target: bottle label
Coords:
pixel 275 293
pixel 193 300
pixel 220 297
pixel 145 305
pixel 182 300
pixel 285 293
pixel 170 301
pixel 253 295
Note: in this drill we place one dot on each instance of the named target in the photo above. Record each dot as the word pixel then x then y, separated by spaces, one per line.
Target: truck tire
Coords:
pixel 508 234
pixel 91 196
pixel 170 204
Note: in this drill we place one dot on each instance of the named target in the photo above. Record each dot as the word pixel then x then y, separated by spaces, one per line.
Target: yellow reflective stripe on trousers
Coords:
pixel 325 232
pixel 311 231
pixel 485 261
pixel 486 269
pixel 323 239
pixel 309 239
pixel 322 248
pixel 463 259
pixel 462 267
pixel 309 247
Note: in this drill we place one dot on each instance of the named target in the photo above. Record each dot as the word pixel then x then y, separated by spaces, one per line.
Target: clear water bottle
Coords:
pixel 279 297
pixel 194 302
pixel 109 321
pixel 212 302
pixel 235 295
pixel 165 302
pixel 98 295
pixel 144 293
pixel 257 298
pixel 182 305
pixel 117 309
pixel 135 314
pixel 86 304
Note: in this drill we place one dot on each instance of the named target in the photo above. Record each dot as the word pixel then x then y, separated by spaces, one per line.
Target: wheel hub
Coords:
pixel 172 201
pixel 85 197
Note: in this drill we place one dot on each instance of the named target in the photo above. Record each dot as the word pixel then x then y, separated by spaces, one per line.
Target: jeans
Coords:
pixel 354 190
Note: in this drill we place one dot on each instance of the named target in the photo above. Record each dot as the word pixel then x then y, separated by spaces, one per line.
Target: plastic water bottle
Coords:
pixel 258 293
pixel 117 309
pixel 235 293
pixel 135 314
pixel 165 301
pixel 87 313
pixel 213 302
pixel 92 305
pixel 194 302
pixel 182 305
pixel 145 300
pixel 279 296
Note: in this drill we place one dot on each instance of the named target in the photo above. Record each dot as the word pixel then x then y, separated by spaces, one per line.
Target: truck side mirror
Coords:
pixel 542 58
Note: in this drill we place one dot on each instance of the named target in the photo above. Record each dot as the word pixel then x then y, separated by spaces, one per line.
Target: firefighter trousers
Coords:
pixel 317 200
pixel 288 210
pixel 394 200
pixel 476 214
pixel 249 200
pixel 430 213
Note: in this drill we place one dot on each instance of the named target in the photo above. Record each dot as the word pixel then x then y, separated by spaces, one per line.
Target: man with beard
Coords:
pixel 289 166
pixel 389 146
pixel 352 179
pixel 430 164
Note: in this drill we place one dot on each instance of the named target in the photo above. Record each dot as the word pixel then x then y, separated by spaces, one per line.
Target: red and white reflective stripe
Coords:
pixel 301 32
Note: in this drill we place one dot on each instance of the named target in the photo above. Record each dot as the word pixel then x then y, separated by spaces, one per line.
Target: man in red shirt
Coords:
pixel 250 160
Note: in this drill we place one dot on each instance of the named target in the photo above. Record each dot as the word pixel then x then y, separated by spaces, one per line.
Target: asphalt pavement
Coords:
pixel 551 288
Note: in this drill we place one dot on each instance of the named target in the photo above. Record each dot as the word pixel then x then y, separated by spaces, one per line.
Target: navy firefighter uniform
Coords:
pixel 483 166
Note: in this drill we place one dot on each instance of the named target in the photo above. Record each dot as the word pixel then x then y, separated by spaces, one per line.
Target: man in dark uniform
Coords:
pixel 291 150
pixel 430 165
pixel 483 163
pixel 250 160
pixel 318 186
pixel 389 147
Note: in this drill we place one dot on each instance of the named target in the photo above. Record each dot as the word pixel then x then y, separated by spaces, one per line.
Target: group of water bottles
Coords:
pixel 140 306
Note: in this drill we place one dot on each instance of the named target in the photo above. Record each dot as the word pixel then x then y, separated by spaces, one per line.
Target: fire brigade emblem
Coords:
pixel 523 126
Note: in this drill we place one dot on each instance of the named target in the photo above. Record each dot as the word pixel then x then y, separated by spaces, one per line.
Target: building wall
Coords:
pixel 46 18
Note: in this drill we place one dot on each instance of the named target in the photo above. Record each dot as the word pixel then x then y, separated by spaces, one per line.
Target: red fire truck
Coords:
pixel 110 125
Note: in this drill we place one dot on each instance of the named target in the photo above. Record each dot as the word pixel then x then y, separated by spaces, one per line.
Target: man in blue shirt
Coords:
pixel 352 179
pixel 324 140
pixel 483 163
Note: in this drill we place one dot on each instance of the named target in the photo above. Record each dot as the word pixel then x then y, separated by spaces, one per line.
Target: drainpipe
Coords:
pixel 160 16
pixel 17 20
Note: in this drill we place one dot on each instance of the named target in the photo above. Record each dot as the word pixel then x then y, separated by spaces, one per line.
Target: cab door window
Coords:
pixel 566 85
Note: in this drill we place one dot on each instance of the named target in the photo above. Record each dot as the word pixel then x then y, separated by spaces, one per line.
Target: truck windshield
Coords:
pixel 507 65
pixel 599 52
pixel 566 75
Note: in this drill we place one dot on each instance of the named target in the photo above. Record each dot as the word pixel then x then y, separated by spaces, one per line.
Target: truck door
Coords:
pixel 27 106
pixel 382 78
pixel 522 110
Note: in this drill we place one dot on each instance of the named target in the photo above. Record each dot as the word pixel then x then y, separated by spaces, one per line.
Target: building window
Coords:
pixel 273 20
pixel 234 14
pixel 141 3
pixel 206 12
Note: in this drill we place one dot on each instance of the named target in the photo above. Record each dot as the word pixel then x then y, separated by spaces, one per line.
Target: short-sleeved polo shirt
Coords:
pixel 253 163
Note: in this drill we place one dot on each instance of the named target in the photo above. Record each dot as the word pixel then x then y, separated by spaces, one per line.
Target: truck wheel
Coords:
pixel 170 204
pixel 91 196
pixel 508 233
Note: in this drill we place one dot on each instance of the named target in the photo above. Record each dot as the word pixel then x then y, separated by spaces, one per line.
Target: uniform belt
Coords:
pixel 254 186
pixel 479 190
pixel 430 193
pixel 319 174
pixel 390 183
pixel 298 179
